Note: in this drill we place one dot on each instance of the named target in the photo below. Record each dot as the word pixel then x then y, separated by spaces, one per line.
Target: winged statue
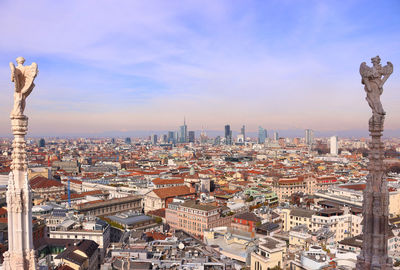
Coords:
pixel 374 78
pixel 23 77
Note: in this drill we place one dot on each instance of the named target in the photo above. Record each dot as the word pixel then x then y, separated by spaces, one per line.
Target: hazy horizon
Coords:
pixel 285 133
pixel 144 65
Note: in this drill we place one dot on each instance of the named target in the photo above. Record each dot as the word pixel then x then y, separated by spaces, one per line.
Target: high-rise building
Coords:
pixel 128 140
pixel 243 132
pixel 154 139
pixel 240 138
pixel 164 138
pixel 183 135
pixel 217 140
pixel 334 145
pixel 276 136
pixel 262 135
pixel 309 136
pixel 42 143
pixel 176 136
pixel 171 137
pixel 228 135
pixel 192 137
pixel 203 137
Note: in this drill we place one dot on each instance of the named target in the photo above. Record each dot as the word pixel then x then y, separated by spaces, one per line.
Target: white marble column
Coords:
pixel 20 254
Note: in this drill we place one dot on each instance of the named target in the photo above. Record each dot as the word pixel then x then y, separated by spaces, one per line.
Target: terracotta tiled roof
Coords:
pixel 327 179
pixel 72 181
pixel 299 179
pixel 159 181
pixel 43 182
pixel 169 192
pixel 83 194
pixel 248 216
pixel 156 235
pixel 157 213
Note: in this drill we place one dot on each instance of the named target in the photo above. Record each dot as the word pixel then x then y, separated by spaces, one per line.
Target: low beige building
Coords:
pixel 160 197
pixel 270 254
pixel 295 217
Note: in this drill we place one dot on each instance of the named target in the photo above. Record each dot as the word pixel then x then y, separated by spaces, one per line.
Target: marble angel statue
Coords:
pixel 23 77
pixel 374 78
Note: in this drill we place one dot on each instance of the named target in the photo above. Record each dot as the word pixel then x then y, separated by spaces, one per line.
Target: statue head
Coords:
pixel 376 60
pixel 20 60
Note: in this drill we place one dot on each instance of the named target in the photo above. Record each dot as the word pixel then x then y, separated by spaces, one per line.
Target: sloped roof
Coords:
pixel 159 181
pixel 88 247
pixel 299 212
pixel 169 192
pixel 248 216
pixel 158 212
pixel 42 182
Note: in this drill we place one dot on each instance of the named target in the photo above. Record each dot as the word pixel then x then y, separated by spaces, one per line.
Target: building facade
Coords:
pixel 195 217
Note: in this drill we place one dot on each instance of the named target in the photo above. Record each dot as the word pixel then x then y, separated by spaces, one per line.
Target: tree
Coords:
pixel 250 199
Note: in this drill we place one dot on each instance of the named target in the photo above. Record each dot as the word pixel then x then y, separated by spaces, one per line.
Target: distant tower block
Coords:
pixel 334 145
pixel 309 136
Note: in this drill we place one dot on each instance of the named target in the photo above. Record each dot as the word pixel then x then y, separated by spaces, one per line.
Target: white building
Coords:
pixel 313 259
pixel 334 145
pixel 342 223
pixel 309 136
pixel 92 229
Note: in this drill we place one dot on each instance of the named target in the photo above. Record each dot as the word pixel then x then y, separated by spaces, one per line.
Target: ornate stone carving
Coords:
pixel 376 195
pixel 23 77
pixel 21 253
pixel 374 78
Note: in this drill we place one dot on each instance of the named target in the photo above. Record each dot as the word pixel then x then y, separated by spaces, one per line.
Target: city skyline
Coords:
pixel 277 64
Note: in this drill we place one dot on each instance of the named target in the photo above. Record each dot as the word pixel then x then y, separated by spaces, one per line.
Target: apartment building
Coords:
pixel 285 187
pixel 270 254
pixel 194 217
pixel 90 229
pixel 296 217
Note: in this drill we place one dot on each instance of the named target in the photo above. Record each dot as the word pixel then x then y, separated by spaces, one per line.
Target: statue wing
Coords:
pixel 12 67
pixel 30 75
pixel 365 71
pixel 388 69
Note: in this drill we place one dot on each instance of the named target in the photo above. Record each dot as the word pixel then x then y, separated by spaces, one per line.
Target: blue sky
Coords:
pixel 143 65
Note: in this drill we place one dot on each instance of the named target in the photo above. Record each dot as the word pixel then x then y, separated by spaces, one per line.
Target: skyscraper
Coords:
pixel 42 143
pixel 243 132
pixel 276 136
pixel 164 138
pixel 334 145
pixel 154 139
pixel 228 135
pixel 171 137
pixel 262 135
pixel 192 137
pixel 309 136
pixel 183 135
pixel 203 137
pixel 217 140
pixel 128 140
